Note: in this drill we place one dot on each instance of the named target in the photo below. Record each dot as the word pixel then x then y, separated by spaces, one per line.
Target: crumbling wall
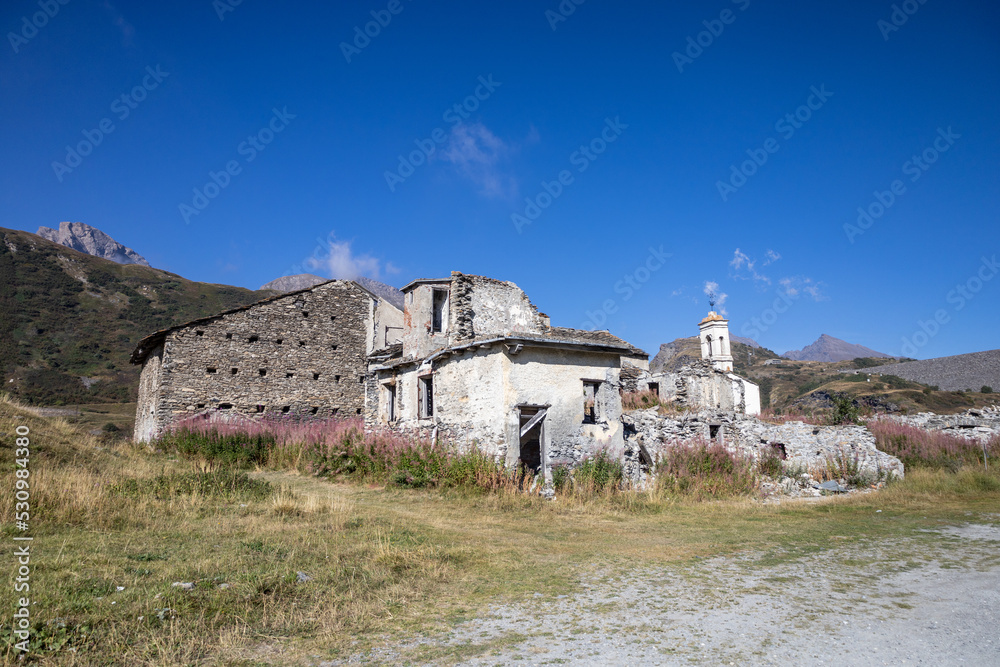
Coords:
pixel 303 356
pixel 980 424
pixel 801 445
pixel 700 386
pixel 482 307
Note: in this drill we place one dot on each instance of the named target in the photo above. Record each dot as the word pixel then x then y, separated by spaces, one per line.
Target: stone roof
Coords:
pixel 597 341
pixel 149 343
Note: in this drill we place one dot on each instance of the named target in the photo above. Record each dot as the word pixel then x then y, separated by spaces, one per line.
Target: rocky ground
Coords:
pixel 933 599
pixel 962 372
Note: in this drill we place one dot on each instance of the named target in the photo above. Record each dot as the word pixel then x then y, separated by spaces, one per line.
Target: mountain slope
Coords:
pixel 68 320
pixel 93 241
pixel 828 348
pixel 293 283
pixel 961 372
pixel 671 356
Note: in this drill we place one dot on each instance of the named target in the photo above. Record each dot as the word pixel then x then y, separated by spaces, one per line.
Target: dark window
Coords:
pixel 289 375
pixel 714 431
pixel 209 370
pixel 262 371
pixel 260 408
pixel 285 409
pixel 334 411
pixel 201 405
pixel 390 402
pixel 333 347
pixel 654 387
pixel 279 341
pixel 361 379
pixel 333 318
pixel 225 406
pixel 313 410
pixel 229 336
pixel 590 401
pixel 438 302
pixel 302 343
pixel 425 397
pixel 253 339
pixel 358 411
pixel 234 371
pixel 336 378
pixel 199 333
pixel 315 376
pixel 305 313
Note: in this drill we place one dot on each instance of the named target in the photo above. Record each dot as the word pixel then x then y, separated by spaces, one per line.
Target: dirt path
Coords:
pixel 933 599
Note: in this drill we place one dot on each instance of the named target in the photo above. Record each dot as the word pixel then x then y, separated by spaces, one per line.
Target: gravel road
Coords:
pixel 929 600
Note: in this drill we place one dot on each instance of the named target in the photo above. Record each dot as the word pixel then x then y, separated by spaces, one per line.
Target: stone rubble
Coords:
pixel 806 450
pixel 981 424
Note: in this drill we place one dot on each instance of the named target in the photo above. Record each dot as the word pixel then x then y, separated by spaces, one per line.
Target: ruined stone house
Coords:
pixel 479 365
pixel 300 354
pixel 709 384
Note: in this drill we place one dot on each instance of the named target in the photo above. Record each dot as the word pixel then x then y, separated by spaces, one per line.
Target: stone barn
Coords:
pixel 302 354
pixel 480 366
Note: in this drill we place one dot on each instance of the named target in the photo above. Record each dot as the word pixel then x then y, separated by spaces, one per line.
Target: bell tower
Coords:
pixel 714 335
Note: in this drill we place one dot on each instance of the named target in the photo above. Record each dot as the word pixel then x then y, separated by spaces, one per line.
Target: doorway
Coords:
pixel 531 422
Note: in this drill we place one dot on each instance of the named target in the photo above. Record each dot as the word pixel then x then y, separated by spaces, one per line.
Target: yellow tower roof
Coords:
pixel 713 317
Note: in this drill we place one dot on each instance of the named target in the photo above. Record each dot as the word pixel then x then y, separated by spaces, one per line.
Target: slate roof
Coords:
pixel 149 343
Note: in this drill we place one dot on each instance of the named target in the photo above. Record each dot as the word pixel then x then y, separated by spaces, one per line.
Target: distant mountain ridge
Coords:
pixel 92 241
pixel 828 348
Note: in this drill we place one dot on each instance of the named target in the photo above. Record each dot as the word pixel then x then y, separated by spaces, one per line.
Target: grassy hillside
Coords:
pixel 69 320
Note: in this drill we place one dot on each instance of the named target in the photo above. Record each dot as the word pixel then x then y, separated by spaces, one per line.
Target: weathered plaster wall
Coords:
pixel 542 376
pixel 701 386
pixel 387 325
pixel 148 408
pixel 418 340
pixel 303 355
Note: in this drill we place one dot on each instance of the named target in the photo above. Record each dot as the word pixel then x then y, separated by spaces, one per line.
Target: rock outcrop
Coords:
pixel 93 241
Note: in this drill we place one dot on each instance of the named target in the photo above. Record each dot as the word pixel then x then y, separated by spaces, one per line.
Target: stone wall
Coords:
pixel 801 445
pixel 303 356
pixel 699 385
pixel 981 424
pixel 485 306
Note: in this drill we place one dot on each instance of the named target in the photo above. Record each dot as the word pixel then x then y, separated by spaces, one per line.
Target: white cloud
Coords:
pixel 337 260
pixel 711 290
pixel 477 153
pixel 745 267
pixel 796 286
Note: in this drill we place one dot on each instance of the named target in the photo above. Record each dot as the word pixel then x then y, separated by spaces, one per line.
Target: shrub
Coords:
pixel 640 400
pixel 770 464
pixel 844 411
pixel 702 470
pixel 598 473
pixel 933 449
pixel 986 389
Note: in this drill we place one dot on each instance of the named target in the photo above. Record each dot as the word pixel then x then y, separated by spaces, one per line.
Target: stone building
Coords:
pixel 480 366
pixel 710 383
pixel 301 354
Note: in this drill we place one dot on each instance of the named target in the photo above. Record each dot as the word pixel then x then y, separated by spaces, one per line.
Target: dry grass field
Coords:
pixel 284 568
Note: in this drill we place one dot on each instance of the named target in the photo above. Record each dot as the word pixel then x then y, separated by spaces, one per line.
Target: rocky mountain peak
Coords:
pixel 93 241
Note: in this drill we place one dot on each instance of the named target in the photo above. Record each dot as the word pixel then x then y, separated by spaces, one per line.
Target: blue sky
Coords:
pixel 615 160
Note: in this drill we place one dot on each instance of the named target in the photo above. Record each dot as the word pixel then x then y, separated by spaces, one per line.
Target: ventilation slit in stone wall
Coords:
pixel 262 372
pixel 210 371
pixel 234 371
pixel 285 409
pixel 253 339
pixel 315 376
pixel 225 406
